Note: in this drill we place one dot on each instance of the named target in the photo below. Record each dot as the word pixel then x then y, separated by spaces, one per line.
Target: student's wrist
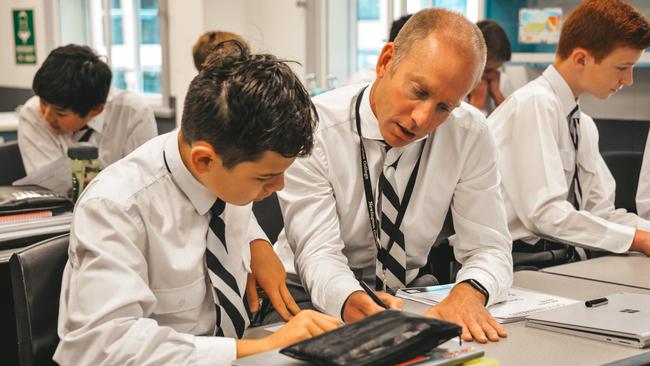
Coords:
pixel 248 347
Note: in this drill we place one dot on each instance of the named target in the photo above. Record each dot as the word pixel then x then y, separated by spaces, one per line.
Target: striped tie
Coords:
pixel 391 257
pixel 575 190
pixel 87 131
pixel 232 317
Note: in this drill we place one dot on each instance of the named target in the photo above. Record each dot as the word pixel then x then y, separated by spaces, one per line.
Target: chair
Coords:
pixel 36 274
pixel 625 167
pixel 269 216
pixel 11 163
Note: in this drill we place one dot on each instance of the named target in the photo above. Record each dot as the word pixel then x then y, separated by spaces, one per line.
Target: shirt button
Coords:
pixel 181 302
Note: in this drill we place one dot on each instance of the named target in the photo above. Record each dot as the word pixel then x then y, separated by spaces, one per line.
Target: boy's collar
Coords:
pixel 561 88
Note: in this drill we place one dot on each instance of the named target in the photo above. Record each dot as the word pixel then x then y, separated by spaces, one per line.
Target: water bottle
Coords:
pixel 85 166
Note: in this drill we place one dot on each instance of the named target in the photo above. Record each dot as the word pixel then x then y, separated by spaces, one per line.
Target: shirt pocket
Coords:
pixel 180 299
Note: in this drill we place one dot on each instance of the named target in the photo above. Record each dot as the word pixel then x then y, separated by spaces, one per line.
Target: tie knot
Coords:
pixel 575 113
pixel 218 207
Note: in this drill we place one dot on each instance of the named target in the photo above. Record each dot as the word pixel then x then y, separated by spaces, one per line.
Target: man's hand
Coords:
pixel 464 306
pixel 359 305
pixel 268 272
pixel 306 324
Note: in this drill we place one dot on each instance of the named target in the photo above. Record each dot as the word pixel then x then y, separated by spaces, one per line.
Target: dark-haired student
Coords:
pixel 160 241
pixel 74 102
pixel 556 185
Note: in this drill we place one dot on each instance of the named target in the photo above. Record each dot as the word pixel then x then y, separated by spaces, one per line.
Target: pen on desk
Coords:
pixel 596 302
pixel 372 295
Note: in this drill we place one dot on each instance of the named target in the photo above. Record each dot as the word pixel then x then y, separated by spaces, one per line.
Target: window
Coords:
pixel 133 48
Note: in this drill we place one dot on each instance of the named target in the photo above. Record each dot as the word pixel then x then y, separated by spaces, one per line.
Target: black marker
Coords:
pixel 372 295
pixel 596 302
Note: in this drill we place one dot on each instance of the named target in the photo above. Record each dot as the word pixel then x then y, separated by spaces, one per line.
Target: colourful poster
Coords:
pixel 540 25
pixel 24 36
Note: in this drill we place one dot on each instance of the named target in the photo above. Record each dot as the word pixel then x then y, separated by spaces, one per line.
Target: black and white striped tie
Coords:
pixel 575 190
pixel 232 316
pixel 85 132
pixel 391 257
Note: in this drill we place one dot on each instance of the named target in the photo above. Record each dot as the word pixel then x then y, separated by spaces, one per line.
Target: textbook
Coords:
pixel 518 304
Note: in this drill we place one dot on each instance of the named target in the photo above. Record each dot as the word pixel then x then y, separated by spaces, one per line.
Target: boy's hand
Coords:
pixel 268 273
pixel 306 324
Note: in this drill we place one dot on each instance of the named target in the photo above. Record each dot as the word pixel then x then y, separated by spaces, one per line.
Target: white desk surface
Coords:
pixel 524 345
pixel 8 121
pixel 626 270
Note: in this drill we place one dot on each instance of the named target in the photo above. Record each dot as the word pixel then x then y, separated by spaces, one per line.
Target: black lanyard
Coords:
pixel 367 187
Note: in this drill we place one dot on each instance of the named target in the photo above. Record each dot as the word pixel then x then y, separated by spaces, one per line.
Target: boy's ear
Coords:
pixel 204 157
pixel 579 57
pixel 94 111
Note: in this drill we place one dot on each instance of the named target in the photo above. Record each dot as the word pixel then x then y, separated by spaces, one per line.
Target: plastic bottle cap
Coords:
pixel 83 151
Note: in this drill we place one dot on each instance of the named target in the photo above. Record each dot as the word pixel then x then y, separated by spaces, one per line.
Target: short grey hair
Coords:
pixel 450 27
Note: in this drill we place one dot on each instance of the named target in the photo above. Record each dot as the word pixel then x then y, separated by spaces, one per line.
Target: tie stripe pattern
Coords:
pixel 575 190
pixel 232 314
pixel 391 257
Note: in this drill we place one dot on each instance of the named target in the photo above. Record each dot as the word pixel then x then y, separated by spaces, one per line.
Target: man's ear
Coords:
pixel 204 157
pixel 385 60
pixel 94 111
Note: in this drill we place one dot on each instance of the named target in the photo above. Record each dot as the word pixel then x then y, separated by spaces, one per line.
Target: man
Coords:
pixel 556 185
pixel 74 103
pixel 494 86
pixel 423 150
pixel 159 247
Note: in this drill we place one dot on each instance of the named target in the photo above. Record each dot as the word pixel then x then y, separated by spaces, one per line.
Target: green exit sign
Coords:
pixel 24 36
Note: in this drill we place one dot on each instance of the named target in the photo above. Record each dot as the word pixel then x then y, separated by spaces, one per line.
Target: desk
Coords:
pixel 524 346
pixel 630 270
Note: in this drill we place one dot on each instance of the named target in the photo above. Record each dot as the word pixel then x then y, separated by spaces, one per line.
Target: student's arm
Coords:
pixel 482 243
pixel 312 229
pixel 38 146
pixel 107 303
pixel 532 170
pixel 643 191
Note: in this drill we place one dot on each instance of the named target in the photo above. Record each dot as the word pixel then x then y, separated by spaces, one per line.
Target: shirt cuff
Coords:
pixel 334 299
pixel 619 238
pixel 214 351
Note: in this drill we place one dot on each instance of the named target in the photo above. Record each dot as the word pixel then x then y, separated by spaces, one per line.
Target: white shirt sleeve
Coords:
pixel 106 313
pixel 643 191
pixel 312 230
pixel 482 243
pixel 535 184
pixel 38 146
pixel 144 129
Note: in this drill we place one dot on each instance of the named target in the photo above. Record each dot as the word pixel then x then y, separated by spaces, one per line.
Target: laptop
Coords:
pixel 623 319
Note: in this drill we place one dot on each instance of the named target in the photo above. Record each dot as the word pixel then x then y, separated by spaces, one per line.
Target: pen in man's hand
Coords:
pixel 372 294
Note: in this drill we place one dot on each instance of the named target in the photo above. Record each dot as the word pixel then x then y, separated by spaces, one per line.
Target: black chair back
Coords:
pixel 269 216
pixel 11 163
pixel 625 167
pixel 36 274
